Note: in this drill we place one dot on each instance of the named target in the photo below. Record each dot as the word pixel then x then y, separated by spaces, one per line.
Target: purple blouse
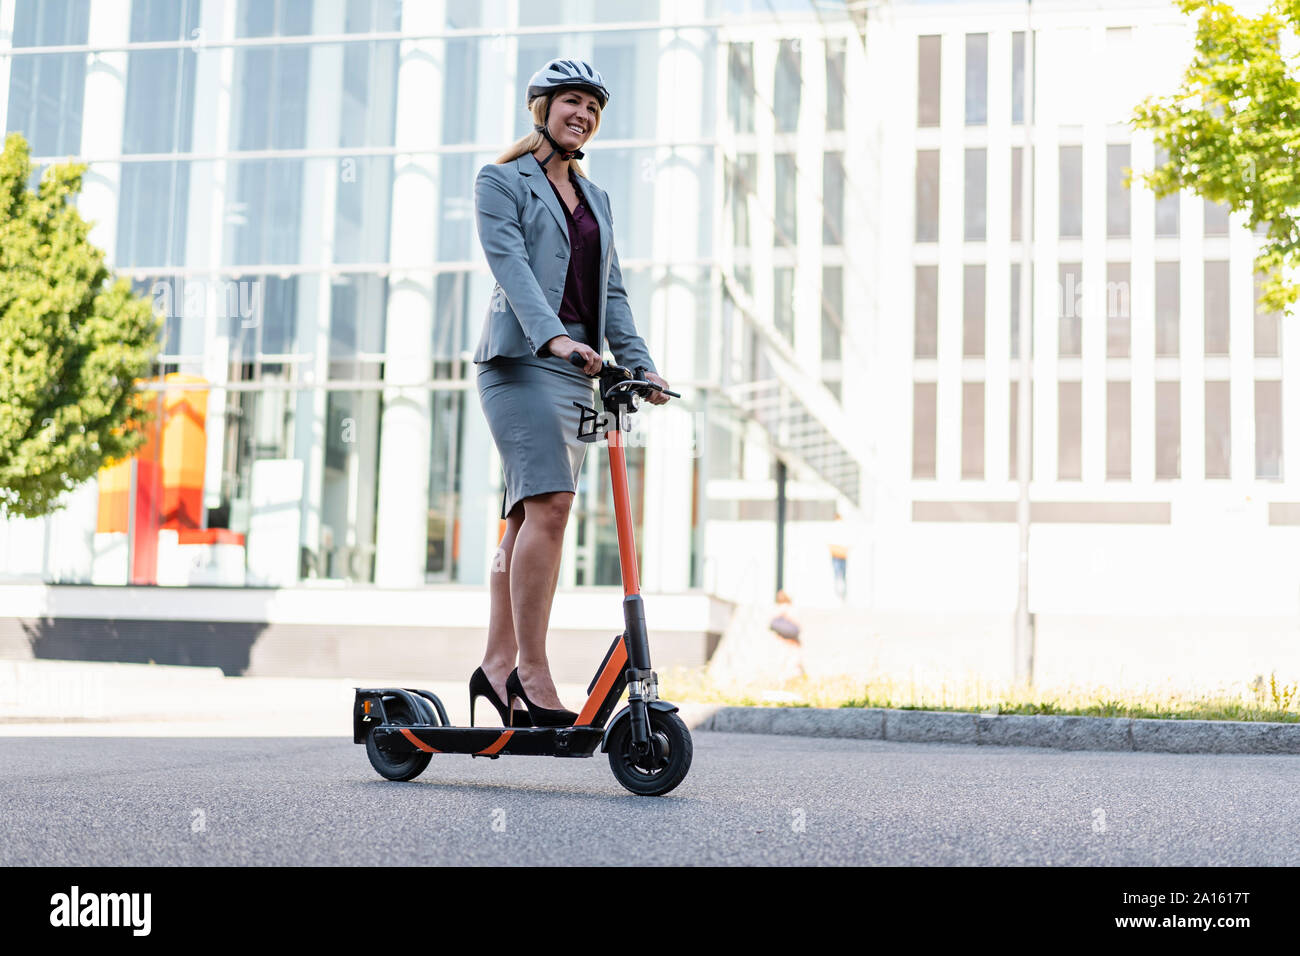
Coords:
pixel 580 307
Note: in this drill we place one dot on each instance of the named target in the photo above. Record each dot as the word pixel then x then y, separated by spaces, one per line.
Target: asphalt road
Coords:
pixel 749 800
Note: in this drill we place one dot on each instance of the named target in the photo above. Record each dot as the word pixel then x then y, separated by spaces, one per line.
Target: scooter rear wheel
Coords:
pixel 656 773
pixel 397 766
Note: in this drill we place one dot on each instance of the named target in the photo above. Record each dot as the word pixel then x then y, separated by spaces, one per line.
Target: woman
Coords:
pixel 548 236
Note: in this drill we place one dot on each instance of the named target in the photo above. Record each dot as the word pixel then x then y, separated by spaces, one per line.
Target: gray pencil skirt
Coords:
pixel 534 423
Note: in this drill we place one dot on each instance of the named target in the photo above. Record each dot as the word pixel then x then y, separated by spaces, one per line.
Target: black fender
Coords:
pixel 420 702
pixel 626 714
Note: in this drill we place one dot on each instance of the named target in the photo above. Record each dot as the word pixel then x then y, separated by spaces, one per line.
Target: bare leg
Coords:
pixel 535 567
pixel 499 658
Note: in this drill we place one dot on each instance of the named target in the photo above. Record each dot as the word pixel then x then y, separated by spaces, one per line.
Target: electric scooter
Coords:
pixel 649 746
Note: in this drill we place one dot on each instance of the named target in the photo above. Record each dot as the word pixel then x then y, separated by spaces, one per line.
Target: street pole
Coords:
pixel 780 524
pixel 1024 634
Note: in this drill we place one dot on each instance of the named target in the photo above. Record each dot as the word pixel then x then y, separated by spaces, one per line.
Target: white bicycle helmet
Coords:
pixel 564 74
pixel 561 73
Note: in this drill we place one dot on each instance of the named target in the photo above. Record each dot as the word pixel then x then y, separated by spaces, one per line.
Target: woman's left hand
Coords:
pixel 657 398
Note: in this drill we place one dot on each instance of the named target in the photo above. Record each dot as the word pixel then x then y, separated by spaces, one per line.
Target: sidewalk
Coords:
pixel 76 699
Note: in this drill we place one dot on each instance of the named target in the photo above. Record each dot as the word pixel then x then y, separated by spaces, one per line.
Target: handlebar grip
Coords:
pixel 575 358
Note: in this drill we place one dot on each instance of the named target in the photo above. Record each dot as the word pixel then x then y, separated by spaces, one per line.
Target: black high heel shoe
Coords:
pixel 480 686
pixel 542 717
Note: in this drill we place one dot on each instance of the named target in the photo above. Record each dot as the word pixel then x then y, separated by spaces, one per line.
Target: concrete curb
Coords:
pixel 1002 730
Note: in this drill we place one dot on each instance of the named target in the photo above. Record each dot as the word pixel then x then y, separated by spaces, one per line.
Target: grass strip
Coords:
pixel 1264 699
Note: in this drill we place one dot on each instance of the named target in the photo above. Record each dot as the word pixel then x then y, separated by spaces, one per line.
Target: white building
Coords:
pixel 1165 530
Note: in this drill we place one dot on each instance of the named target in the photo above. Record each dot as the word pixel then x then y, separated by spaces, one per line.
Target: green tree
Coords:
pixel 1232 130
pixel 72 343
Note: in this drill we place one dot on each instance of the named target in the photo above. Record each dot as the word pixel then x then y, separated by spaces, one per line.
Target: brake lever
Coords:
pixel 640 374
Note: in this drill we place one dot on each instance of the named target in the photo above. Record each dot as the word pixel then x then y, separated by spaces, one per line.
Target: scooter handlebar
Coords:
pixel 576 359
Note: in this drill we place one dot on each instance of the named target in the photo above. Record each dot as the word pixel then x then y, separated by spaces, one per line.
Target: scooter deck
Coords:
pixel 491 741
pixel 431 733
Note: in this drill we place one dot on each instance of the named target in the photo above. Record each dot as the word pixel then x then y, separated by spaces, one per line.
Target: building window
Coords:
pixel 1071 198
pixel 1216 308
pixel 274 186
pixel 927 195
pixel 785 99
pixel 923 429
pixel 927 312
pixel 46 91
pixel 972 311
pixel 832 312
pixel 271 327
pixel 619 67
pixel 1018 78
pixel 1069 456
pixel 451 317
pixel 456 237
pixel 1216 218
pixel 972 430
pixel 271 84
pixel 835 63
pixel 740 186
pixel 1267 325
pixel 1015 312
pixel 1070 325
pixel 277 18
pixel 1119 431
pixel 351 443
pixel 927 81
pixel 1268 430
pixel 154 197
pixel 460 103
pixel 977 79
pixel 1166 206
pixel 976 189
pixel 833 199
pixel 355 299
pixel 1017 192
pixel 1218 445
pixel 740 87
pixel 783 301
pixel 1167 308
pixel 1168 431
pixel 441 525
pixel 745 279
pixel 1118 206
pixel 786 210
pixel 1014 461
pixel 1118 310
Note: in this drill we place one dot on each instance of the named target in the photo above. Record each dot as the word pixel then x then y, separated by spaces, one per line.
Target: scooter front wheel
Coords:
pixel 661 769
pixel 397 766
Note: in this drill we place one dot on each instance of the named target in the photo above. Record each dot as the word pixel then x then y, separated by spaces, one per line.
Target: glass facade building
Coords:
pixel 291 182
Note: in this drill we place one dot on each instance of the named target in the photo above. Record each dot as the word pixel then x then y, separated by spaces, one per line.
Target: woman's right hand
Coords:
pixel 562 347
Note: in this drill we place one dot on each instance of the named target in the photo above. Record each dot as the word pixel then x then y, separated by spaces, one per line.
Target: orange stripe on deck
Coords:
pixel 497 744
pixel 616 664
pixel 418 742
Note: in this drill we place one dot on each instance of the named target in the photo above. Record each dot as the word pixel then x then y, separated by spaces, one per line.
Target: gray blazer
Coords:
pixel 526 240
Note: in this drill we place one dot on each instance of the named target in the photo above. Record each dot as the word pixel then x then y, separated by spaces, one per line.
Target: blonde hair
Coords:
pixel 540 106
